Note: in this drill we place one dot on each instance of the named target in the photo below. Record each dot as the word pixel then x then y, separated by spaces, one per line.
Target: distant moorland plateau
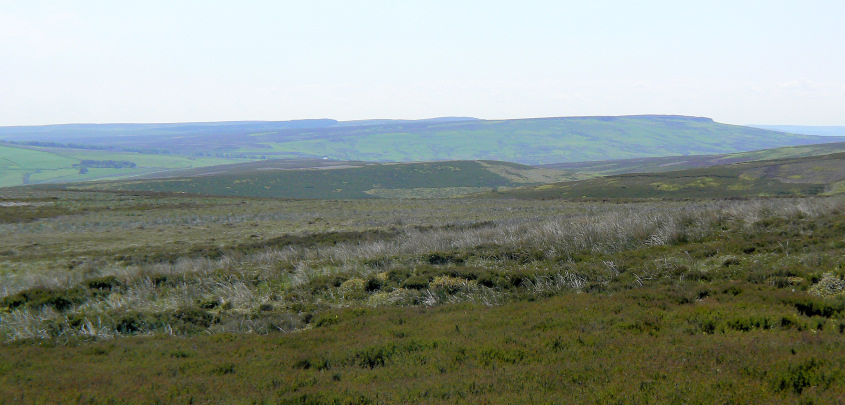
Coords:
pixel 55 153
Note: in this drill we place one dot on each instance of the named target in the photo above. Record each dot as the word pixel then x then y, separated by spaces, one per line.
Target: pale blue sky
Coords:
pixel 741 62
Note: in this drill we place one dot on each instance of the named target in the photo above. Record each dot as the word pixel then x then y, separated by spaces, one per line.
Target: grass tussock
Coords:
pixel 596 247
pixel 461 300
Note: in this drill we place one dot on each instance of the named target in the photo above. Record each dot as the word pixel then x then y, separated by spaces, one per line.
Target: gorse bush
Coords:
pixel 452 284
pixel 353 288
pixel 829 285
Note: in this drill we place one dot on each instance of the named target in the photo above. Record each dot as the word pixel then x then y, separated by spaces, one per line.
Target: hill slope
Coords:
pixel 20 165
pixel 805 129
pixel 672 163
pixel 320 178
pixel 817 175
pixel 527 141
pixel 341 180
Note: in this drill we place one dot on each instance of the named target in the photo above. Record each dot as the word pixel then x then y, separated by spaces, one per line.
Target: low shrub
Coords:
pixel 326 320
pixel 378 356
pixel 418 282
pixel 400 296
pixel 208 303
pixel 317 364
pixel 373 284
pixel 398 275
pixel 353 288
pixel 828 286
pixel 812 306
pixel 223 369
pixel 102 283
pixel 746 324
pixel 521 257
pixel 60 299
pixel 452 284
pixel 184 320
pixel 439 258
pixel 323 283
pixel 799 377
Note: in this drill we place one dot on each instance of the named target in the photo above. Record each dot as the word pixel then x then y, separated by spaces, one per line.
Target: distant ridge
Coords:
pixel 673 163
pixel 64 132
pixel 527 141
pixel 821 175
pixel 14 130
pixel 805 129
pixel 389 121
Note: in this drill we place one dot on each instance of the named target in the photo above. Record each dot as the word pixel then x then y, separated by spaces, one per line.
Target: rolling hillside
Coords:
pixel 526 141
pixel 672 163
pixel 805 129
pixel 20 165
pixel 319 179
pixel 805 176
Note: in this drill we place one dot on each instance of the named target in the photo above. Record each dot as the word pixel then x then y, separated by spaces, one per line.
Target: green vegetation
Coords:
pixel 788 152
pixel 822 174
pixel 57 154
pixel 817 175
pixel 331 180
pixel 673 163
pixel 527 141
pixel 121 164
pixel 133 297
pixel 543 141
pixel 684 286
pixel 21 165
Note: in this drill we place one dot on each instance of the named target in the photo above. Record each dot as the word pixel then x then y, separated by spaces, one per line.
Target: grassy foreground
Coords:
pixel 632 347
pixel 122 297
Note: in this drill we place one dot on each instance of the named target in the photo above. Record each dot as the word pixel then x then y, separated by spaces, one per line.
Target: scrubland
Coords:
pixel 171 298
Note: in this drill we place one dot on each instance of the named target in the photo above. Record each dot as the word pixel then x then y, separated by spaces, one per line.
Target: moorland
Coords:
pixel 470 281
pixel 526 141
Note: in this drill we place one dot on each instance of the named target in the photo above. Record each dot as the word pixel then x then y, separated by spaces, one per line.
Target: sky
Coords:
pixel 738 62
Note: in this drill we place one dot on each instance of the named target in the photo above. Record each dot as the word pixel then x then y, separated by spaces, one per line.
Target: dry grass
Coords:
pixel 541 240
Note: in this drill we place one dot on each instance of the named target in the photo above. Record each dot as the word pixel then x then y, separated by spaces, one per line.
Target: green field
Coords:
pixel 21 165
pixel 112 297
